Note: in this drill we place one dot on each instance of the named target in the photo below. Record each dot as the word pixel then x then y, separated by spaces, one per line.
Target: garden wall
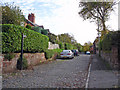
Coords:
pixel 111 57
pixel 33 59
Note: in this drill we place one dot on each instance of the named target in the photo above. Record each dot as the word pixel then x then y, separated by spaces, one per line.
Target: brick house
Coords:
pixel 31 21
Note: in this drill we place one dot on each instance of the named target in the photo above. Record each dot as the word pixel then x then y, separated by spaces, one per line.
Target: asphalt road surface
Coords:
pixel 62 73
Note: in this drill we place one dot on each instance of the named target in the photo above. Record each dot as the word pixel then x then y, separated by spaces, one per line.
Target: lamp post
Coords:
pixel 23 36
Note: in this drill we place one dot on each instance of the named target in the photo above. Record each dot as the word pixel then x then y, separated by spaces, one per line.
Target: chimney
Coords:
pixel 31 17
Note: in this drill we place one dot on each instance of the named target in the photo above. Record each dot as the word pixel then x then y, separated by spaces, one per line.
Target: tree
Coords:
pixel 96 11
pixel 86 46
pixel 52 38
pixel 11 14
pixel 67 38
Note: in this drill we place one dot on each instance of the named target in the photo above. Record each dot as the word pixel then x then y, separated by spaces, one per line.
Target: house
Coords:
pixel 31 21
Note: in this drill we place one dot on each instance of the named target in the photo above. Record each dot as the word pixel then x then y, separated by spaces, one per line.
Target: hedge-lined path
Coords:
pixel 66 73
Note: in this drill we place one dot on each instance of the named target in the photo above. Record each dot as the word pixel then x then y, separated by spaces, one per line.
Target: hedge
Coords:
pixel 11 39
pixel 50 53
pixel 109 40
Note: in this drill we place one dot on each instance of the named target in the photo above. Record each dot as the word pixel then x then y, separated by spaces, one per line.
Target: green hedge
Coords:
pixel 50 53
pixel 109 40
pixel 11 39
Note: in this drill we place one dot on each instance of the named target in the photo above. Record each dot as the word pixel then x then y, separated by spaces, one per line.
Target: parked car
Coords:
pixel 66 54
pixel 88 52
pixel 75 52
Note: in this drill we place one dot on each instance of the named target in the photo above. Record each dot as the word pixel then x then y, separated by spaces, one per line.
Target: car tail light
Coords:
pixel 68 54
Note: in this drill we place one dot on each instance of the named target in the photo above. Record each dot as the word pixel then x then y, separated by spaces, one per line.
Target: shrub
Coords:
pixel 69 46
pixel 9 56
pixel 28 26
pixel 37 29
pixel 24 63
pixel 61 45
pixel 50 53
pixel 11 39
pixel 110 39
pixel 45 32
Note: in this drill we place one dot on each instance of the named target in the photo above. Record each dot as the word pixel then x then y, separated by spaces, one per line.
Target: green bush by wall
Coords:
pixel 50 53
pixel 11 39
pixel 24 63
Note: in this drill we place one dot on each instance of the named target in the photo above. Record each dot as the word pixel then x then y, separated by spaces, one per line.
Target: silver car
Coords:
pixel 67 54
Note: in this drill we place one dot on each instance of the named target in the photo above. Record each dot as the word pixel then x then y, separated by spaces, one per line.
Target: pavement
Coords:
pixel 102 76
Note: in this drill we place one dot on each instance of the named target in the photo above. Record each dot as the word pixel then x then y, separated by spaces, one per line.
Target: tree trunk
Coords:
pixel 104 27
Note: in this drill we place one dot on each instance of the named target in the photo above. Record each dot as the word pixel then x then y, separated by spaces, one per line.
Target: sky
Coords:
pixel 61 16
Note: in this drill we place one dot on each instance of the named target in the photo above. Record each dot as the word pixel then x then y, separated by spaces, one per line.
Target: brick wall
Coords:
pixel 111 57
pixel 33 59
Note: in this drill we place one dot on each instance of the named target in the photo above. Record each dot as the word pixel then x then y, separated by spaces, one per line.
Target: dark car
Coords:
pixel 75 52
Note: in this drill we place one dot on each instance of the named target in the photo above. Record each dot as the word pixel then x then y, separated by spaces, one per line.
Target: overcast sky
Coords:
pixel 61 16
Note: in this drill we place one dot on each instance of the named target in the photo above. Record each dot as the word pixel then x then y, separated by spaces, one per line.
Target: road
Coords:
pixel 62 73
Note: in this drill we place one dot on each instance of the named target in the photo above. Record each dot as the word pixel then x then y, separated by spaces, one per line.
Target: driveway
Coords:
pixel 62 73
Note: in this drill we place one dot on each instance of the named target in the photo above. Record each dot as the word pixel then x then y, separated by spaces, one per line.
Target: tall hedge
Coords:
pixel 109 40
pixel 11 39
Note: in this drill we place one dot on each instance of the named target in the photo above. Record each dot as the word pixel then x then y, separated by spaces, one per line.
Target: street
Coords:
pixel 61 73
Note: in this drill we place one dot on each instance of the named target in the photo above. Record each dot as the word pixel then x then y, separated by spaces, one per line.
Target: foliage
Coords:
pixel 69 46
pixel 109 40
pixel 50 53
pixel 79 46
pixel 24 63
pixel 9 56
pixel 37 29
pixel 66 38
pixel 86 46
pixel 61 45
pixel 52 38
pixel 96 11
pixel 28 26
pixel 11 39
pixel 11 14
pixel 45 32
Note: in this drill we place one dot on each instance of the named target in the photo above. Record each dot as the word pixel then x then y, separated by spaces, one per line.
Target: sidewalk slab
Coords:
pixel 101 76
pixel 103 79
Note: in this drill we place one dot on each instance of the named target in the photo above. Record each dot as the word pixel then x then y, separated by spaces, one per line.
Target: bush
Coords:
pixel 61 45
pixel 37 29
pixel 24 63
pixel 9 56
pixel 28 26
pixel 50 53
pixel 69 46
pixel 11 39
pixel 110 39
pixel 45 32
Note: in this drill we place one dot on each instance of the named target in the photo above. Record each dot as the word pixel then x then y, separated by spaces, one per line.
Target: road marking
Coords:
pixel 88 77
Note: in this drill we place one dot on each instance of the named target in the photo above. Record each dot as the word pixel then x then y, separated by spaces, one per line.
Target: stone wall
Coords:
pixel 111 57
pixel 53 46
pixel 33 59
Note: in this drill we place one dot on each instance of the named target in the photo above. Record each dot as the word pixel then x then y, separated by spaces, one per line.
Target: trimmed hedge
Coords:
pixel 11 39
pixel 109 40
pixel 50 53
